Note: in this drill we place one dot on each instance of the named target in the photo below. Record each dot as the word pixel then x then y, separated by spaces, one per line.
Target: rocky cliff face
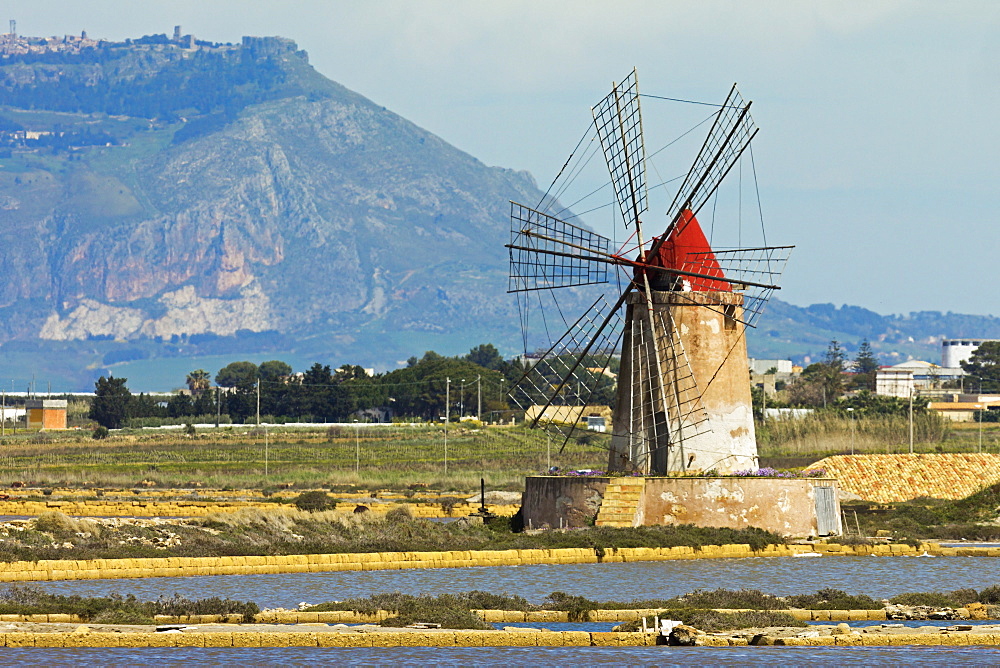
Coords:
pixel 318 212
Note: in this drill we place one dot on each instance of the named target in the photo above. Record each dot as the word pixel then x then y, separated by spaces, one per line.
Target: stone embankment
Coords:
pixel 182 508
pixel 66 569
pixel 532 616
pixel 47 635
pixel 57 635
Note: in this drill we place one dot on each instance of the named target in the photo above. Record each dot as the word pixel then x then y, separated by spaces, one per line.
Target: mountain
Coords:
pixel 193 199
pixel 169 203
pixel 803 333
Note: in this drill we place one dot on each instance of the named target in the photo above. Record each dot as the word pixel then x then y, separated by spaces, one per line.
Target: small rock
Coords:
pixel 82 629
pixel 683 636
pixel 841 629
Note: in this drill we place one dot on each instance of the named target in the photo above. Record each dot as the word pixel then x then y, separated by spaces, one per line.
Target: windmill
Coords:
pixel 675 307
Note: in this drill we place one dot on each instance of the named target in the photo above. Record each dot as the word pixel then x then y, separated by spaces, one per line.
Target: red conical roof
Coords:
pixel 687 249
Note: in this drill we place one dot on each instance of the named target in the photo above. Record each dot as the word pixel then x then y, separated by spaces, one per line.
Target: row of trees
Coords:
pixel 478 380
pixel 421 390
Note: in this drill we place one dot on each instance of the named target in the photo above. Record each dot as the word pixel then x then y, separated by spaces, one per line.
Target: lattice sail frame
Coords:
pixel 546 252
pixel 562 374
pixel 618 120
pixel 731 133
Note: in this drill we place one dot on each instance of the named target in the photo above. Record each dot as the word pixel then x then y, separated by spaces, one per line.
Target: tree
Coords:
pixel 486 355
pixel 832 371
pixel 180 405
pixel 198 381
pixel 111 403
pixel 865 367
pixel 274 371
pixel 237 374
pixel 821 383
pixel 984 366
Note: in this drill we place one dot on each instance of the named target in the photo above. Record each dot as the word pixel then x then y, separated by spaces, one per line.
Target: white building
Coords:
pixel 761 367
pixel 956 351
pixel 914 376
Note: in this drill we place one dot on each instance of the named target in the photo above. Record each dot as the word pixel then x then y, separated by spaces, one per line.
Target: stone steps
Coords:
pixel 621 502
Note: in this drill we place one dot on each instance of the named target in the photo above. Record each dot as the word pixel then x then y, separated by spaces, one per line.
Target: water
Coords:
pixel 879 577
pixel 506 656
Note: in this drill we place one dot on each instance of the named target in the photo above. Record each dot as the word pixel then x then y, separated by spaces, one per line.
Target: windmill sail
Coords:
pixel 556 389
pixel 731 132
pixel 618 120
pixel 546 252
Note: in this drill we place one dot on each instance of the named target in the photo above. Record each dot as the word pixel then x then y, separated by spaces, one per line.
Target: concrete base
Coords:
pixel 786 506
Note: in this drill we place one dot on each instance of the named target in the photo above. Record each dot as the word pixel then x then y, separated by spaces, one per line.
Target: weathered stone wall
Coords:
pixel 551 502
pixel 784 505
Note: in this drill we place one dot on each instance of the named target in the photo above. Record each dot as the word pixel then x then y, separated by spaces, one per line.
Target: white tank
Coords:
pixel 956 351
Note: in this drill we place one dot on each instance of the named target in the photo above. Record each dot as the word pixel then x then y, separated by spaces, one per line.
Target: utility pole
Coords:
pixel 911 419
pixel 3 412
pixel 258 402
pixel 447 417
pixel 461 402
pixel 357 448
pixel 479 398
pixel 851 411
pixel 218 406
pixel 981 407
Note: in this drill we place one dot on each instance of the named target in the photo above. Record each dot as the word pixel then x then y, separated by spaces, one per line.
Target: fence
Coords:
pixel 361 448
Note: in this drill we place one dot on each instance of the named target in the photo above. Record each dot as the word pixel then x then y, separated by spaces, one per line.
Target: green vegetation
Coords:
pixel 451 611
pixel 292 531
pixel 984 366
pixel 833 599
pixel 313 501
pixel 387 456
pixel 115 609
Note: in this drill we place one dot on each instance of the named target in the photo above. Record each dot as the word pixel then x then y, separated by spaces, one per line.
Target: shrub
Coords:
pixel 400 513
pixel 833 599
pixel 451 611
pixel 990 595
pixel 116 609
pixel 933 599
pixel 121 617
pixel 577 607
pixel 313 501
pixel 448 503
pixel 742 599
pixel 100 433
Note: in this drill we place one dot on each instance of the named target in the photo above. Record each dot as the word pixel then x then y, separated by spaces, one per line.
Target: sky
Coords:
pixel 877 155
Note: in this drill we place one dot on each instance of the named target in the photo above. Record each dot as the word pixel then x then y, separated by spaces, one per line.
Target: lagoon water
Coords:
pixel 508 656
pixel 878 577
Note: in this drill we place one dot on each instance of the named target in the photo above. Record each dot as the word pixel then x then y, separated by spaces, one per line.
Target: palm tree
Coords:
pixel 198 381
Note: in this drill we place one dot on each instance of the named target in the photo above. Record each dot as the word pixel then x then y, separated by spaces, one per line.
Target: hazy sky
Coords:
pixel 878 148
